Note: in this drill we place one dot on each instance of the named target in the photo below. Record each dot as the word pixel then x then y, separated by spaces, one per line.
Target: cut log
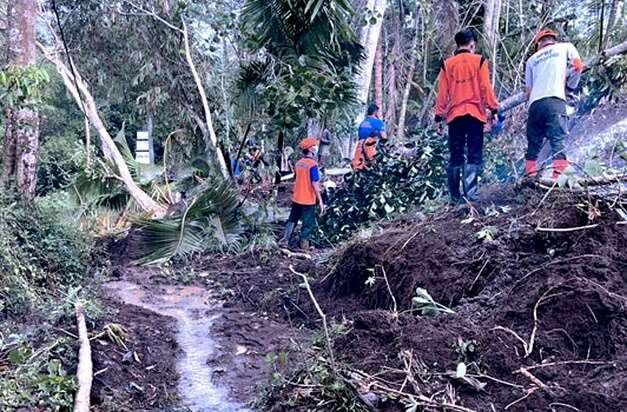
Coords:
pixel 519 98
pixel 84 373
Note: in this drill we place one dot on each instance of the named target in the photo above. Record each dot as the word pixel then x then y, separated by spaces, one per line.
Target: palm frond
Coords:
pixel 210 221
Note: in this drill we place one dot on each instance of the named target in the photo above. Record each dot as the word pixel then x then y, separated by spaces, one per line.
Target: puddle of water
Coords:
pixel 188 305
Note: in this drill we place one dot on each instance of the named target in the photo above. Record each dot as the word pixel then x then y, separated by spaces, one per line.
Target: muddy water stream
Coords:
pixel 196 312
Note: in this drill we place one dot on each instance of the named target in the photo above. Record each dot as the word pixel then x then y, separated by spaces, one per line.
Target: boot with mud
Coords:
pixel 471 182
pixel 454 179
pixel 559 166
pixel 287 234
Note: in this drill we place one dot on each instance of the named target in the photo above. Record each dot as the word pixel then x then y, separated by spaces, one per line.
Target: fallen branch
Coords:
pixel 84 372
pixel 298 255
pixel 565 229
pixel 561 363
pixel 322 316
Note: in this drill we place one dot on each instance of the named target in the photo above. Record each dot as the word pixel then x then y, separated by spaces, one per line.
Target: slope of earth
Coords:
pixel 538 293
pixel 536 283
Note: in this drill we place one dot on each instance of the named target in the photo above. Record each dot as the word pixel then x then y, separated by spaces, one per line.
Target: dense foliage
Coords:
pixel 398 182
pixel 42 253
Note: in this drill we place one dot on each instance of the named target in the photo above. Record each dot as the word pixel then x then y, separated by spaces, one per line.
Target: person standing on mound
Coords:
pixel 552 72
pixel 466 101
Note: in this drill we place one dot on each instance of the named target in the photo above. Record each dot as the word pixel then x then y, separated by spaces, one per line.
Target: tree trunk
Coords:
pixel 413 62
pixel 369 39
pixel 78 89
pixel 491 30
pixel 611 20
pixel 378 74
pixel 22 128
pixel 205 104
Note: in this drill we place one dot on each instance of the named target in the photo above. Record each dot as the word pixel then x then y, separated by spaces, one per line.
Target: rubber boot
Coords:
pixel 531 168
pixel 471 181
pixel 454 179
pixel 559 165
pixel 287 234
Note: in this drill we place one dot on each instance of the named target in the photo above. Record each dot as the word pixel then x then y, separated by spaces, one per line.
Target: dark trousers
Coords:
pixel 547 119
pixel 306 213
pixel 465 131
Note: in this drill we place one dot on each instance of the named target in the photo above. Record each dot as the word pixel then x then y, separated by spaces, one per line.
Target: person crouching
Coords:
pixel 306 194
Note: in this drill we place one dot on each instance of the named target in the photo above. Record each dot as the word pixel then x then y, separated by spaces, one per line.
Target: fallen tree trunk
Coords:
pixel 520 98
pixel 84 373
pixel 78 89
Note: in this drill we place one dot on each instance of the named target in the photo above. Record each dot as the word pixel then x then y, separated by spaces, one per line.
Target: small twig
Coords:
pixel 564 405
pixel 561 363
pixel 387 283
pixel 546 195
pixel 322 316
pixel 533 379
pixel 472 285
pixel 529 393
pixel 514 334
pixel 565 229
pixel 299 255
pixel 484 376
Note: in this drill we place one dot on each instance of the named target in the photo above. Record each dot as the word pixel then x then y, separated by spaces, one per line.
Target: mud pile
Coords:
pixel 539 293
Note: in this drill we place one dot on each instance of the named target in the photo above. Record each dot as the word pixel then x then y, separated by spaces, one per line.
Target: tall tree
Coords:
pixel 369 39
pixel 22 124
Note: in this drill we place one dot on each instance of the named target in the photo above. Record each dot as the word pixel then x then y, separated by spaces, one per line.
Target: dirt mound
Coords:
pixel 539 294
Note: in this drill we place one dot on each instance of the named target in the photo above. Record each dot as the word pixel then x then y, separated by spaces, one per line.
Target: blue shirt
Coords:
pixel 314 173
pixel 371 126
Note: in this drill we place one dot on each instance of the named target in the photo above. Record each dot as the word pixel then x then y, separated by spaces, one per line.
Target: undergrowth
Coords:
pixel 44 258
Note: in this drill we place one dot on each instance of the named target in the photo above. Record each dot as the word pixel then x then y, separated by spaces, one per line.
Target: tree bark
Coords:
pixel 369 39
pixel 22 128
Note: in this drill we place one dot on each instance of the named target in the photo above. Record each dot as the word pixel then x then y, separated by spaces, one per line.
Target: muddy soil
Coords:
pixel 540 315
pixel 141 376
pixel 574 282
pixel 219 348
pixel 566 289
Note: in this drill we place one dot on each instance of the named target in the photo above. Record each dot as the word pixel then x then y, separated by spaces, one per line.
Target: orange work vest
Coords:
pixel 365 152
pixel 304 193
pixel 465 88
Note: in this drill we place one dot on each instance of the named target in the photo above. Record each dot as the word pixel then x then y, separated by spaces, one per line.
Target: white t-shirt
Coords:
pixel 551 69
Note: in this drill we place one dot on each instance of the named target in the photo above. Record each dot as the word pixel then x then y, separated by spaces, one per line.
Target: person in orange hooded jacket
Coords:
pixel 466 101
pixel 306 194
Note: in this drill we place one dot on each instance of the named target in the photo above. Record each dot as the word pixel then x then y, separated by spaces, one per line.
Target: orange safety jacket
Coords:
pixel 465 88
pixel 304 192
pixel 365 152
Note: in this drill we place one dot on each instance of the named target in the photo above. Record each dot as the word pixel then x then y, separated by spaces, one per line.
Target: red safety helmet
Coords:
pixel 308 143
pixel 545 33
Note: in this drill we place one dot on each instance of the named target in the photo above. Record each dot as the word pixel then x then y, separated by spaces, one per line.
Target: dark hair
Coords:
pixel 372 109
pixel 464 37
